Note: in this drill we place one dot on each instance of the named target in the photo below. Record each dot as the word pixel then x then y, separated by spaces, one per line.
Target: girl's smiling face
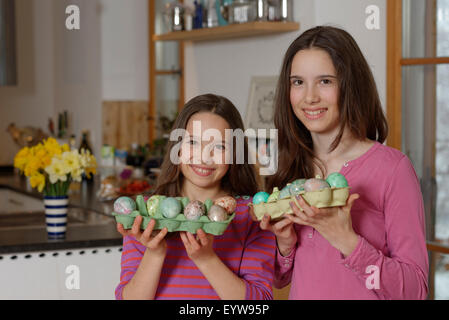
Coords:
pixel 203 151
pixel 314 91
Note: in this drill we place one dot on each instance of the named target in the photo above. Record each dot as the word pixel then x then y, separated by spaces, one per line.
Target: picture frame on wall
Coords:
pixel 260 108
pixel 260 115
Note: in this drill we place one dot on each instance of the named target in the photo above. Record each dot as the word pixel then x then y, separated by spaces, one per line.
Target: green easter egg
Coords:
pixel 337 180
pixel 170 207
pixel 153 203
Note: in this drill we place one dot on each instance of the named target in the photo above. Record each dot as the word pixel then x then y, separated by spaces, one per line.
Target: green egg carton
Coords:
pixel 179 223
pixel 324 198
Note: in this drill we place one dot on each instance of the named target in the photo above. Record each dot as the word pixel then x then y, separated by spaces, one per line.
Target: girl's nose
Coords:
pixel 312 95
pixel 207 154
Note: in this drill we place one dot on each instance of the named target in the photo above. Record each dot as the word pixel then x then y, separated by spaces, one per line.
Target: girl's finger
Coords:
pixel 160 236
pixel 306 209
pixel 202 236
pixel 120 229
pixel 135 230
pixel 265 223
pixel 298 220
pixel 193 243
pixel 351 200
pixel 282 224
pixel 298 213
pixel 252 214
pixel 184 239
pixel 146 235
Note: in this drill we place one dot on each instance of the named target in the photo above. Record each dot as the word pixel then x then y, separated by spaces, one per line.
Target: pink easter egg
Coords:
pixel 228 203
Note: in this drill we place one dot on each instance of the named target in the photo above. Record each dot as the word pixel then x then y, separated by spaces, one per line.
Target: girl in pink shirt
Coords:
pixel 330 119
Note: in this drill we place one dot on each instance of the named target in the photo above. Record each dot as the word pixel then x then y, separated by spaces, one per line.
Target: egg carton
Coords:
pixel 324 198
pixel 179 223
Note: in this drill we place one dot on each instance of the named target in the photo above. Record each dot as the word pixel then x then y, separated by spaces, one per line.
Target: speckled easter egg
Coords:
pixel 170 207
pixel 260 197
pixel 194 210
pixel 337 180
pixel 297 186
pixel 217 213
pixel 228 203
pixel 285 192
pixel 124 205
pixel 315 184
pixel 153 202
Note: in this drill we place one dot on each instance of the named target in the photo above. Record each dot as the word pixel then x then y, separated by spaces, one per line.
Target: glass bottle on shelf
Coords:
pixel 86 146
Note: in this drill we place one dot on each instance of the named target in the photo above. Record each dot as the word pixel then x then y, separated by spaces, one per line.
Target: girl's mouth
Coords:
pixel 314 114
pixel 202 171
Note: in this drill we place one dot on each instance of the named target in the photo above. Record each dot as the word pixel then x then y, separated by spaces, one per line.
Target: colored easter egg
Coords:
pixel 274 195
pixel 315 184
pixel 227 202
pixel 285 192
pixel 217 213
pixel 170 207
pixel 153 202
pixel 124 205
pixel 260 197
pixel 194 210
pixel 337 180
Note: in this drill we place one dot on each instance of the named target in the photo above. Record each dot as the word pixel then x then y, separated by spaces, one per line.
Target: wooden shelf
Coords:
pixel 249 29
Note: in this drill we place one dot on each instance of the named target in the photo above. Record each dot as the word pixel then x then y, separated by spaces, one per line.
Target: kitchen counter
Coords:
pixel 77 236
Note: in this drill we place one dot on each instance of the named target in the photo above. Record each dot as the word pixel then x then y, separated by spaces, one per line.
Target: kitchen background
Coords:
pixel 107 60
pixel 99 76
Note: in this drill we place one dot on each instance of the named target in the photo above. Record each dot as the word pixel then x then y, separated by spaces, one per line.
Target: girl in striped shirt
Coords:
pixel 236 265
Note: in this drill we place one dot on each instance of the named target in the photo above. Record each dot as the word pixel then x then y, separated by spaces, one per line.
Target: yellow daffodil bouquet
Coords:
pixel 51 167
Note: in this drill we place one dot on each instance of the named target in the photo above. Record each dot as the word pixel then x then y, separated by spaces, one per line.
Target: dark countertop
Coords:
pixel 77 236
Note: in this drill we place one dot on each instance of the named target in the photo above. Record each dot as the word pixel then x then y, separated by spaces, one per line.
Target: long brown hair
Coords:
pixel 240 179
pixel 359 104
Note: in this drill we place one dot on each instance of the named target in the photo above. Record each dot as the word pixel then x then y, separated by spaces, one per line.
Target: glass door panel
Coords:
pixel 424 32
pixel 167 100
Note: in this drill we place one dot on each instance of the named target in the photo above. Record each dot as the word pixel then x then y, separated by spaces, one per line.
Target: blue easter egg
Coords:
pixel 170 207
pixel 260 197
pixel 285 192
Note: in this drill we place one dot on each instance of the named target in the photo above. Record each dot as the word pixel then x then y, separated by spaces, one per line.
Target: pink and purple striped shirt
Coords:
pixel 247 250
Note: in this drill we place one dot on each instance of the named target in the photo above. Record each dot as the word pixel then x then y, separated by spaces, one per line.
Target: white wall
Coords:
pixel 226 67
pixel 31 101
pixel 124 46
pixel 58 70
pixel 78 69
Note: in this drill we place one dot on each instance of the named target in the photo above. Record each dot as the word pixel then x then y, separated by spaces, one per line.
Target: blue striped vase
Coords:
pixel 56 216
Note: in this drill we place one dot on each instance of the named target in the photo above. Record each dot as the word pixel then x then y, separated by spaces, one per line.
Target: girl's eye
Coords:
pixel 296 82
pixel 326 81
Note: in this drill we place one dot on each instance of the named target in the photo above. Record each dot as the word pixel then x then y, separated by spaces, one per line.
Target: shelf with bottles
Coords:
pixel 231 31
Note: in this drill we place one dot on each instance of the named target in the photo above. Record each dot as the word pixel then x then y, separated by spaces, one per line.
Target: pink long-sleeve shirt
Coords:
pixel 390 260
